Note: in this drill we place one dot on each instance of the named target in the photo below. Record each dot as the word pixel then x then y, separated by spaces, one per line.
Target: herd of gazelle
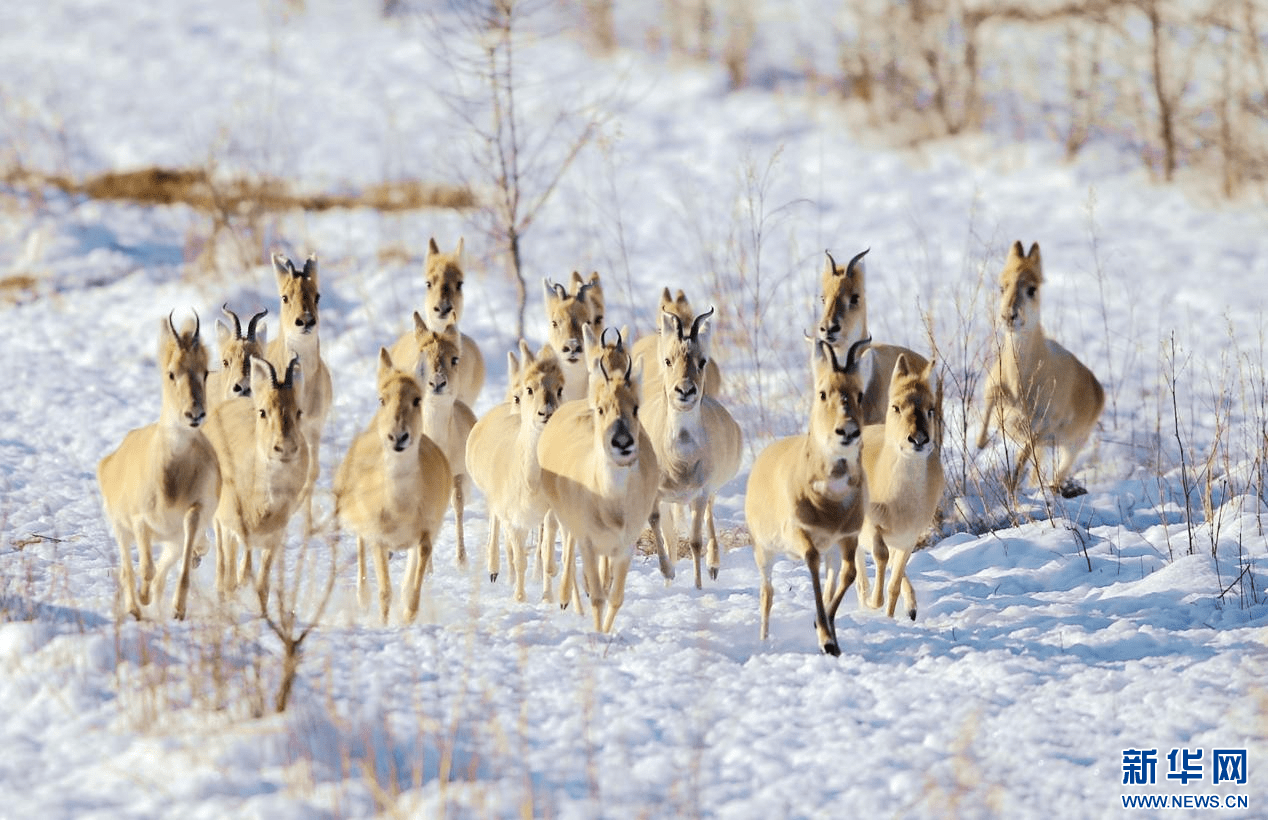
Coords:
pixel 567 452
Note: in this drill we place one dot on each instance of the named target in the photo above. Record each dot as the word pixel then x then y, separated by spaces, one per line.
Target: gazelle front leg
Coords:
pixel 880 554
pixel 899 581
pixel 823 624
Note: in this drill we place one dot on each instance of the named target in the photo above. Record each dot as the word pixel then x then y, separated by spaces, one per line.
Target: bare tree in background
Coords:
pixel 524 135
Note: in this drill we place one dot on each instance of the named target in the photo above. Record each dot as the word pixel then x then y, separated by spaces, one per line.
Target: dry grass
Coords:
pixel 198 189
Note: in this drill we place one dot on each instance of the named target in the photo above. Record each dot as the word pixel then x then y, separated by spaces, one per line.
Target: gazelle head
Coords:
pixel 607 349
pixel 277 412
pixel 399 420
pixel 593 295
pixel 837 407
pixel 537 384
pixel 567 313
pixel 182 360
pixel 614 404
pixel 438 355
pixel 1019 284
pixel 911 422
pixel 443 275
pixel 683 358
pixel 299 294
pixel 237 349
pixel 844 317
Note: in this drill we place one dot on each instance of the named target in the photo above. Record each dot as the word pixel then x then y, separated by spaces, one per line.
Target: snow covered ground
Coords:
pixel 1054 636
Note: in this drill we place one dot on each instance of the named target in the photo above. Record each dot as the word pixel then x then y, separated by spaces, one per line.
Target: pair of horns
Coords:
pixel 285 265
pixel 849 269
pixel 851 357
pixel 695 325
pixel 629 364
pixel 172 324
pixel 237 325
pixel 290 371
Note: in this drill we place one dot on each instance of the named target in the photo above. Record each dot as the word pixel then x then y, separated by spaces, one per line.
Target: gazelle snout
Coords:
pixel 828 332
pixel 623 444
pixel 306 321
pixel 848 432
pixel 399 440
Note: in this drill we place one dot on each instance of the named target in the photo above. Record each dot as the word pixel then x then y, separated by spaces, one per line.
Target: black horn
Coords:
pixel 290 372
pixel 254 321
pixel 831 261
pixel 695 326
pixel 849 269
pixel 851 358
pixel 237 325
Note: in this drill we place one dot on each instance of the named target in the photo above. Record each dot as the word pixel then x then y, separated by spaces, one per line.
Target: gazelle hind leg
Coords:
pixel 127 573
pixel 714 552
pixel 492 552
pixel 457 520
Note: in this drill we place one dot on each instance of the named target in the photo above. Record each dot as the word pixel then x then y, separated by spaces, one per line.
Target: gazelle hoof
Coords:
pixel 713 573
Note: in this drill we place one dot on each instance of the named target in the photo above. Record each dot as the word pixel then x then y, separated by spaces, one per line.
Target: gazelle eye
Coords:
pixel 261 414
pixel 1030 291
pixel 703 361
pixel 458 286
pixel 823 396
pixel 382 402
pixel 854 300
pixel 598 320
pixel 636 411
pixel 454 361
pixel 316 298
pixel 528 390
pixel 286 300
pixel 559 393
pixel 171 376
pixel 417 401
pixel 860 397
pixel 554 324
pixel 224 363
pixel 516 399
pixel 894 407
pixel 667 363
pixel 299 414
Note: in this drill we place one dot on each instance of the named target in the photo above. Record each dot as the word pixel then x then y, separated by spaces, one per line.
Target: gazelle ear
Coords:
pixel 901 368
pixel 385 364
pixel 589 342
pixel 420 324
pixel 310 268
pixel 546 354
pixel 262 334
pixel 263 376
pixel 458 250
pixel 223 333
pixel 283 269
pixel 1033 258
pixel 512 366
pixel 432 247
pixel 670 326
pixel 1016 251
pixel 665 298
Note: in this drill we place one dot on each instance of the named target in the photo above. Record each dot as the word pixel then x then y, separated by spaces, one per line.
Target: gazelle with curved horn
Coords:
pixel 264 459
pixel 843 322
pixel 392 489
pixel 806 494
pixel 1037 392
pixel 645 349
pixel 299 294
pixel 162 483
pixel 600 475
pixel 233 379
pixel 567 314
pixel 697 442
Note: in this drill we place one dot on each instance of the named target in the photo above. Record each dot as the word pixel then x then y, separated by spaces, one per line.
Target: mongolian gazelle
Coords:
pixel 233 379
pixel 163 481
pixel 645 350
pixel 298 337
pixel 1037 392
pixel 392 488
pixel 806 494
pixel 902 460
pixel 696 440
pixel 433 356
pixel 502 462
pixel 443 276
pixel 844 322
pixel 264 460
pixel 567 314
pixel 600 474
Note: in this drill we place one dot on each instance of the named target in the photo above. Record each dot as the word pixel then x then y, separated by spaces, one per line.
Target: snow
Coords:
pixel 1050 638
